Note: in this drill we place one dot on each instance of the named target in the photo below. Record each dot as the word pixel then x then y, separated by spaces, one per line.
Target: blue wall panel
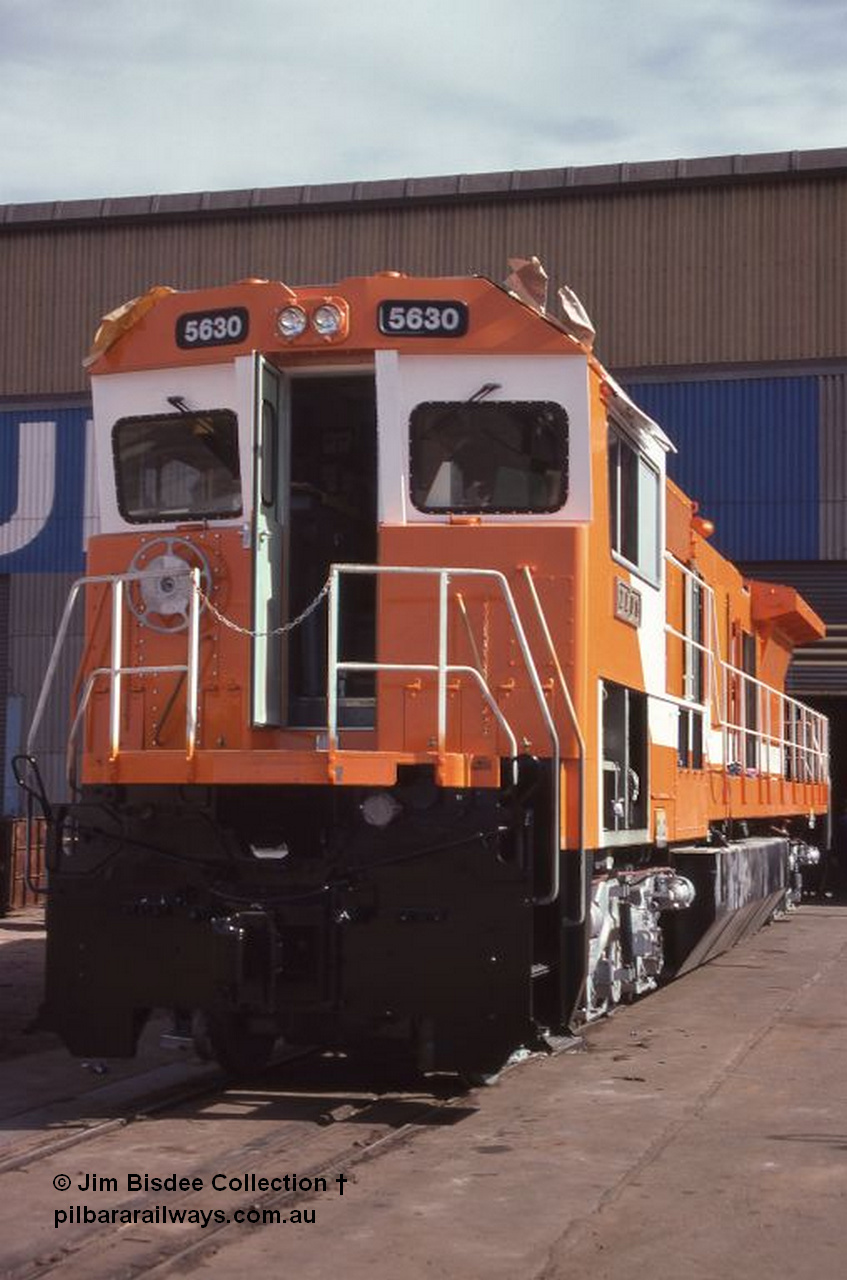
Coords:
pixel 42 489
pixel 748 453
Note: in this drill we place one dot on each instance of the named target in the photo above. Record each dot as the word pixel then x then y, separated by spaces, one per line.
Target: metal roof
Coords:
pixel 554 182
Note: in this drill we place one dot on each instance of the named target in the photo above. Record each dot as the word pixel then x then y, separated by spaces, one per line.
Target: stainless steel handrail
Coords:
pixel 88 687
pixel 117 670
pixel 450 669
pixel 580 742
pixel 442 668
pixel 814 758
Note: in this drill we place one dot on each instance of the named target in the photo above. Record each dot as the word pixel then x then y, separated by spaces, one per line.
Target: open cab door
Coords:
pixel 270 540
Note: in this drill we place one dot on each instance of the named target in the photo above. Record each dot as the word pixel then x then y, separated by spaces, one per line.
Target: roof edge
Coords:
pixel 530 183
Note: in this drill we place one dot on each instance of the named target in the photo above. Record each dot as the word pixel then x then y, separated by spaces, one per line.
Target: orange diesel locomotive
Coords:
pixel 415 707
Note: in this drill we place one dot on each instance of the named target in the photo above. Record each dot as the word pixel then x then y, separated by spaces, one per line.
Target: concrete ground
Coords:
pixel 701 1134
pixel 21 980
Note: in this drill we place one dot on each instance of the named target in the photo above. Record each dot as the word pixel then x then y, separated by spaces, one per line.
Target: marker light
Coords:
pixel 380 808
pixel 327 320
pixel 291 322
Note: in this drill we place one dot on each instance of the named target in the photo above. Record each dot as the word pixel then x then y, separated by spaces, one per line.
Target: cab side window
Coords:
pixel 634 506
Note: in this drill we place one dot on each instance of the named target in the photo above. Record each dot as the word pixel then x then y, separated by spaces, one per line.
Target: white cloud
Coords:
pixel 109 97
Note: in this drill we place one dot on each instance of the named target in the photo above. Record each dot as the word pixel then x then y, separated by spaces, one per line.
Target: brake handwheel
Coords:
pixel 161 598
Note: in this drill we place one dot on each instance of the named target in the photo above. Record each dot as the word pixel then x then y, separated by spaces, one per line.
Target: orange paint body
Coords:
pixel 609 626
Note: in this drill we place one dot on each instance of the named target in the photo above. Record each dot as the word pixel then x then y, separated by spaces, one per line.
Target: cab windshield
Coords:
pixel 495 456
pixel 180 466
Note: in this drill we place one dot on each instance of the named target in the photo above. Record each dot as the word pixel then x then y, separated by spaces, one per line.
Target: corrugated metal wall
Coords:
pixel 742 272
pixel 4 677
pixel 833 452
pixel 823 584
pixel 36 601
pixel 749 454
pixel 820 669
pixel 43 455
pixel 46 511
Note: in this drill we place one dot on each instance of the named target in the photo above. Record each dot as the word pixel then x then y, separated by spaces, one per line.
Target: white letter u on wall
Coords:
pixel 36 486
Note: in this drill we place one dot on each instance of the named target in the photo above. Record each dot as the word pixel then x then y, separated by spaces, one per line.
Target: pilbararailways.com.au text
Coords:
pixel 85 1215
pixel 88 1214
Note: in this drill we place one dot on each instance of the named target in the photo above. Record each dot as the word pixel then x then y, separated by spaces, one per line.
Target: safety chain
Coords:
pixel 277 631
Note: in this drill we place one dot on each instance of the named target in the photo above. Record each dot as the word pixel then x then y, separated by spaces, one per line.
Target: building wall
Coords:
pixel 43 481
pixel 36 604
pixel 712 263
pixel 832 393
pixel 4 689
pixel 717 286
pixel 766 458
pixel 752 452
pixel 46 512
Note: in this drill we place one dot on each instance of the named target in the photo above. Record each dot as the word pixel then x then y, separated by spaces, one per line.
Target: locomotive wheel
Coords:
pixel 227 1039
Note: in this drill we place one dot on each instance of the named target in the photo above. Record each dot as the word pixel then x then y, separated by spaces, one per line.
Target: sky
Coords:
pixel 139 97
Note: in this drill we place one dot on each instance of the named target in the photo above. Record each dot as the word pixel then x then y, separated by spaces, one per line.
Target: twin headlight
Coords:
pixel 328 320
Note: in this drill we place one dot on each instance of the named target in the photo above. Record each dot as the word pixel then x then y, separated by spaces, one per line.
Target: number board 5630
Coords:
pixel 422 318
pixel 212 328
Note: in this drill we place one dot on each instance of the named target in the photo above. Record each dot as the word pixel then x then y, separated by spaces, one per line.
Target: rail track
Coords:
pixel 65 1132
pixel 309 1114
pixel 305 1118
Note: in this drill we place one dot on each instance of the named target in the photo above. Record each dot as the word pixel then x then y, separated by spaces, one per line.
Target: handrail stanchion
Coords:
pixel 441 738
pixel 49 675
pixel 801 735
pixel 579 919
pixel 115 683
pixel 783 758
pixel 192 688
pixel 552 893
pixel 712 691
pixel 332 659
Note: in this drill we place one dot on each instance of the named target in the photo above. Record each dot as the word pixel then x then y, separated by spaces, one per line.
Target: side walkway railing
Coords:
pixel 764 731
